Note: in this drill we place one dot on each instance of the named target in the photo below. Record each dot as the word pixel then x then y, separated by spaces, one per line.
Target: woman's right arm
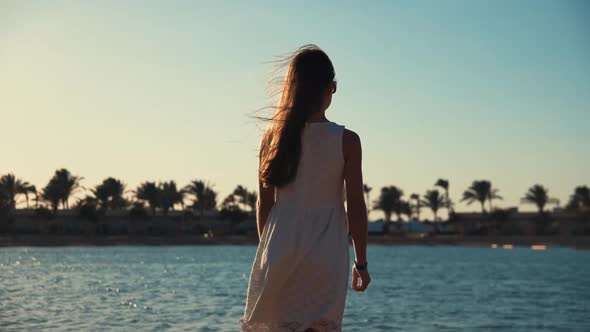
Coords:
pixel 355 204
pixel 266 197
pixel 264 203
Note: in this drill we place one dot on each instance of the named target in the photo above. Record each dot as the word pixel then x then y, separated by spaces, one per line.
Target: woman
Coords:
pixel 300 273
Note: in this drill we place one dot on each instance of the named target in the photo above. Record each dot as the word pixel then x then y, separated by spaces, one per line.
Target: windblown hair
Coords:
pixel 309 73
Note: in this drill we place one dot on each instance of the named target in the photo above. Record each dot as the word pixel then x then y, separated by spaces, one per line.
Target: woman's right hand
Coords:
pixel 360 279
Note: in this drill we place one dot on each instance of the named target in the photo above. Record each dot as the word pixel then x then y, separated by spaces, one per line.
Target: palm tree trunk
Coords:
pixel 448 201
pixel 387 221
pixel 435 222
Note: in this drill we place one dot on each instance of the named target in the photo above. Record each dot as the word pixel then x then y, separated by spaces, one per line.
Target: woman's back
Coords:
pixel 319 182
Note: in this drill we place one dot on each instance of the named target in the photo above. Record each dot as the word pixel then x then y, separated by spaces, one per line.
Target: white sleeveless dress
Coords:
pixel 299 278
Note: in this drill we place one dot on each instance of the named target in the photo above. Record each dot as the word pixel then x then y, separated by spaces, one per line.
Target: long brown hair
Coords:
pixel 309 73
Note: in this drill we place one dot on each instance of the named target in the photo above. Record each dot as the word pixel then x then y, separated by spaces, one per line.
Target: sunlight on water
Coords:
pixel 203 289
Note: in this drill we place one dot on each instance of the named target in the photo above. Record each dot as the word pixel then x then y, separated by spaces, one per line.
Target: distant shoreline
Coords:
pixel 51 240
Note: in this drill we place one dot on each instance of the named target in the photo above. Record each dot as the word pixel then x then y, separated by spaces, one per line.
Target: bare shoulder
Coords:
pixel 351 143
pixel 350 138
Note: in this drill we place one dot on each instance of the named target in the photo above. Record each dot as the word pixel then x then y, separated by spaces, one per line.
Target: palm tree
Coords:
pixel 444 184
pixel 37 199
pixel 241 195
pixel 434 200
pixel 4 203
pixel 367 190
pixel 69 184
pixel 230 201
pixel 230 209
pixel 60 188
pixel 205 198
pixel 109 194
pixel 170 196
pixel 400 208
pixel 209 200
pixel 387 201
pixel 150 193
pixel 246 198
pixel 478 191
pixel 417 206
pixel 493 194
pixel 11 187
pixel 406 209
pixel 88 209
pixel 539 196
pixel 580 199
pixel 51 193
pixel 251 198
pixel 481 191
pixel 29 189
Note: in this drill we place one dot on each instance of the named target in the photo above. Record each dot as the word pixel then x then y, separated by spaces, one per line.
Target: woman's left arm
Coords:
pixel 266 196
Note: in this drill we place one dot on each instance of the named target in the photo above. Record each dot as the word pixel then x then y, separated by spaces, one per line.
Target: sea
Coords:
pixel 203 288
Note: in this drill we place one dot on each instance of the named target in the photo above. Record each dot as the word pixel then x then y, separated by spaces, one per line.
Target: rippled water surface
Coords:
pixel 203 288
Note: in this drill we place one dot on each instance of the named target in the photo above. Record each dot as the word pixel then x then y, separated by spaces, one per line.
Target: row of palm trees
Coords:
pixel 111 194
pixel 165 196
pixel 391 199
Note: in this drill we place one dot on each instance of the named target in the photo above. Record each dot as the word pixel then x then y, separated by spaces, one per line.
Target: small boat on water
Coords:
pixel 493 245
pixel 507 246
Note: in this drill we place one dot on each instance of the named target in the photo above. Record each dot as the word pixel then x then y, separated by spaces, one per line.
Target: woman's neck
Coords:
pixel 317 117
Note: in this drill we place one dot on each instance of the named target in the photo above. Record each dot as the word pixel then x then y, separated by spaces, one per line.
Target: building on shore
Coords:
pixel 500 222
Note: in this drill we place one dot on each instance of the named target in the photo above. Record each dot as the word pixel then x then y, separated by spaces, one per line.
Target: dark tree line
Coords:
pixel 112 194
pixel 199 196
pixel 391 200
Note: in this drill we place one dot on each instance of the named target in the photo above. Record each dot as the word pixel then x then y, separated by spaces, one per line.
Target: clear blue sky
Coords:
pixel 146 90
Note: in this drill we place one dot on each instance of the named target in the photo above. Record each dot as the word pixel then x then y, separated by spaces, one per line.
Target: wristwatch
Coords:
pixel 359 267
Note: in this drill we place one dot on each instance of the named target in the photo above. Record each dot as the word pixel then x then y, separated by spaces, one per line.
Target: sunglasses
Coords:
pixel 334 87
